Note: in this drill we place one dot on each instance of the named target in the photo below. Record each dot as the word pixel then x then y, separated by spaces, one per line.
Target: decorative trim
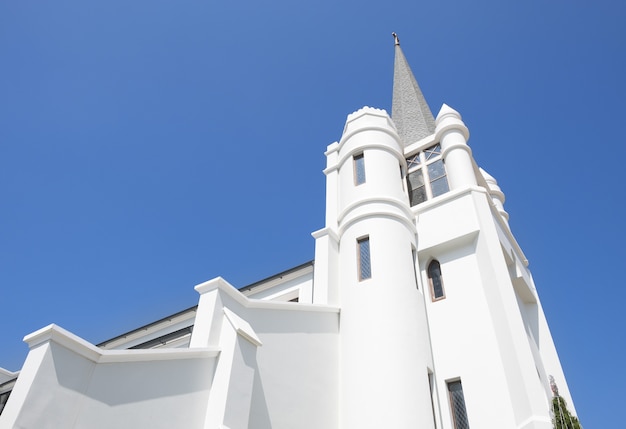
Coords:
pixel 326 232
pixel 410 225
pixel 362 148
pixel 465 147
pixel 230 290
pixel 373 200
pixel 242 327
pixel 58 335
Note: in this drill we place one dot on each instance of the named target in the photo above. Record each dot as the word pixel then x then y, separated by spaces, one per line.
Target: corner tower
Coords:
pixel 441 324
pixel 385 355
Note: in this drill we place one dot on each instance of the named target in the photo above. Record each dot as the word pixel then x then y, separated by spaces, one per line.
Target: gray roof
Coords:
pixel 409 110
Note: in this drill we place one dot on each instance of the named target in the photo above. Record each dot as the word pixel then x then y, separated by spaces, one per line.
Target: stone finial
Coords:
pixel 396 39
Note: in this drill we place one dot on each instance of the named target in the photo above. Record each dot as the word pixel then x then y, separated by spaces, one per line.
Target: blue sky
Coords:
pixel 148 146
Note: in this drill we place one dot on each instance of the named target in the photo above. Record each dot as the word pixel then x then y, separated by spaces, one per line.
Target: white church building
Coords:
pixel 418 311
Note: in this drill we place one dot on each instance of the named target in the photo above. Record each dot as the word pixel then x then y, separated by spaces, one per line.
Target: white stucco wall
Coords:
pixel 296 385
pixel 68 383
pixel 292 373
pixel 477 331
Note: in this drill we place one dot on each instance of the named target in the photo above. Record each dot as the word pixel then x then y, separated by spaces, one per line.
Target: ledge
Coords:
pixel 327 231
pixel 219 283
pixel 242 327
pixel 58 335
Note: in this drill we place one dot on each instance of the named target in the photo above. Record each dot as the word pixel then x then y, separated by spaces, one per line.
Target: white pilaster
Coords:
pixel 207 326
pixel 325 275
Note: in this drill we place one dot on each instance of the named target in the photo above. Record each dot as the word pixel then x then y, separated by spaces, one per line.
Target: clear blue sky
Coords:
pixel 147 146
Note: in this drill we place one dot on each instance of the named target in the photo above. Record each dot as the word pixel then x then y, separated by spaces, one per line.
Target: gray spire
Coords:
pixel 409 110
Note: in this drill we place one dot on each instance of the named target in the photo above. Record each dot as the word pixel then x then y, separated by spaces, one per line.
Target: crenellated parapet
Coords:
pixel 367 119
pixel 367 110
pixel 369 159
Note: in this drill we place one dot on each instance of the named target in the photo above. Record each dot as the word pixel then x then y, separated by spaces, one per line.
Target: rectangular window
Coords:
pixel 457 405
pixel 359 169
pixel 414 255
pixel 365 263
pixel 438 180
pixel 417 188
pixel 431 386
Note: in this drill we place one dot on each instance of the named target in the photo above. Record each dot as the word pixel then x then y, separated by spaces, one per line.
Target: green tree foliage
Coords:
pixel 563 419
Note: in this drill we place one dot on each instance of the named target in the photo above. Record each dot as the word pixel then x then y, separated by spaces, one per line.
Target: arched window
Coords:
pixel 435 280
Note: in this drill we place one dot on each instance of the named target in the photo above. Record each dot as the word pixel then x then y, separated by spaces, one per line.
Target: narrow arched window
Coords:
pixel 435 280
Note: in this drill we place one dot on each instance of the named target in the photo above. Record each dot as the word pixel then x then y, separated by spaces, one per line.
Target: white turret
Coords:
pixel 384 346
pixel 453 135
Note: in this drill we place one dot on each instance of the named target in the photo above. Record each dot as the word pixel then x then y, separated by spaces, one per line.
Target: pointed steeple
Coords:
pixel 409 110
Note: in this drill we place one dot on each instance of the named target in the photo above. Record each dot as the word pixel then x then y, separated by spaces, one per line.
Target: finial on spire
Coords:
pixel 396 39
